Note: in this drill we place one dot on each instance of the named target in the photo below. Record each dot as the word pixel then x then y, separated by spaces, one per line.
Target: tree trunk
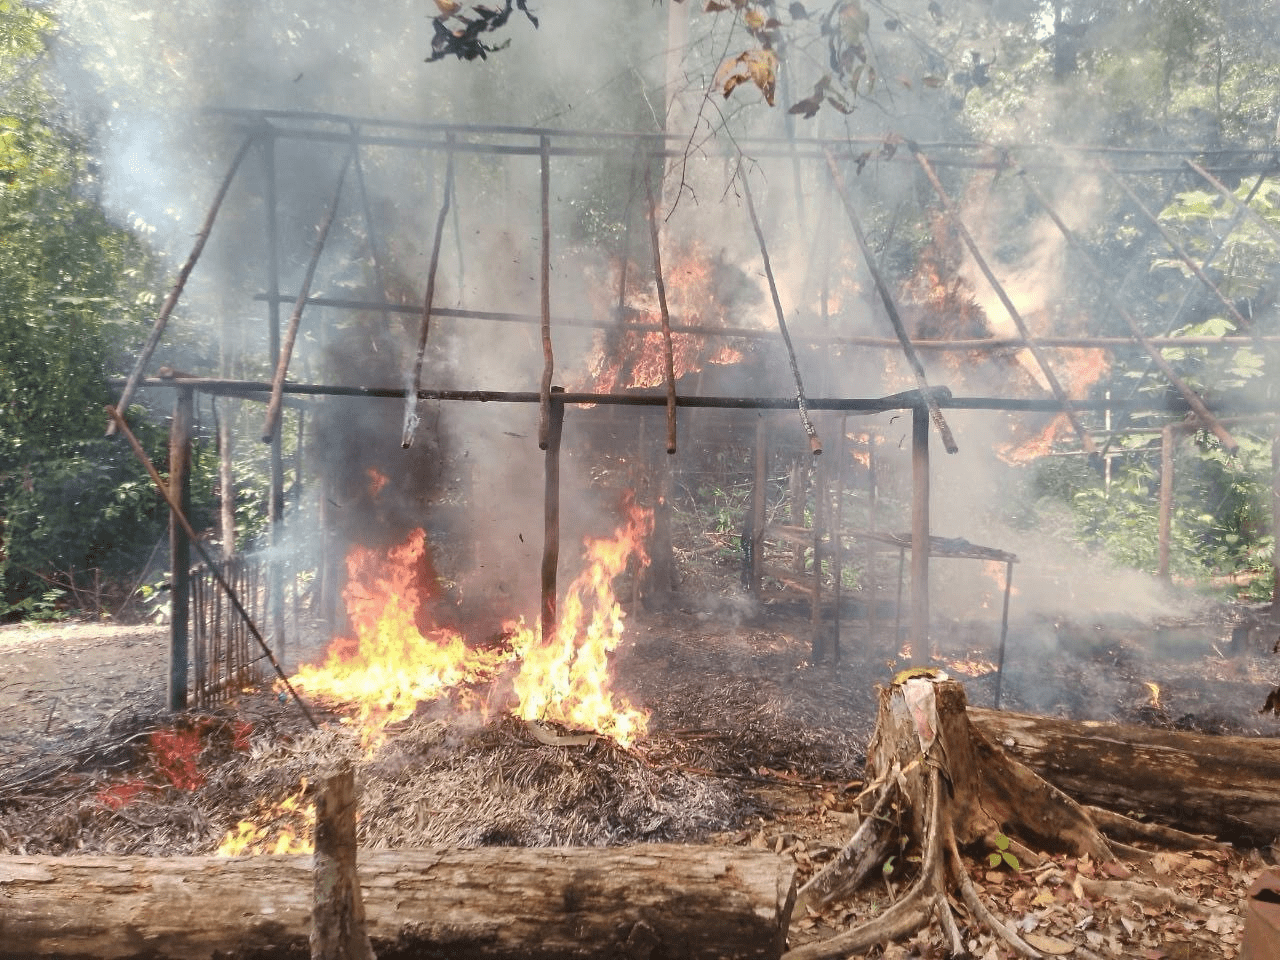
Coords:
pixel 1221 786
pixel 651 902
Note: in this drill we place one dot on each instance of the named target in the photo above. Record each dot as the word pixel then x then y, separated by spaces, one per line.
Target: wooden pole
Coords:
pixel 551 518
pixel 873 581
pixel 1059 393
pixel 275 498
pixel 175 508
pixel 411 398
pixel 548 356
pixel 668 362
pixel 1004 628
pixel 815 445
pixel 272 426
pixel 1167 442
pixel 904 340
pixel 180 547
pixel 820 505
pixel 837 537
pixel 759 494
pixel 171 301
pixel 337 914
pixel 920 537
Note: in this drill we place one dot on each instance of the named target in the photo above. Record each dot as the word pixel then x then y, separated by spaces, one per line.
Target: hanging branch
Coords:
pixel 171 301
pixel 1193 399
pixel 178 515
pixel 548 358
pixel 295 319
pixel 415 383
pixel 668 362
pixel 913 360
pixel 1055 385
pixel 815 445
pixel 370 226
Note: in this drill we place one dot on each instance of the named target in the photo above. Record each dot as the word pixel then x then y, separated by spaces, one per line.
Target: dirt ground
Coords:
pixel 751 745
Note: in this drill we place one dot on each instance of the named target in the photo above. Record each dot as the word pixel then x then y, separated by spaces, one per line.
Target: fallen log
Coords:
pixel 1221 786
pixel 654 901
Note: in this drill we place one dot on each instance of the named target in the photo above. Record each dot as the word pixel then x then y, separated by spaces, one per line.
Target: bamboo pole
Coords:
pixel 548 356
pixel 755 333
pixel 668 361
pixel 1193 399
pixel 272 425
pixel 370 225
pixel 1166 501
pixel 171 301
pixel 180 516
pixel 551 519
pixel 920 535
pixel 1051 378
pixel 815 445
pixel 180 548
pixel 1257 218
pixel 908 348
pixel 411 396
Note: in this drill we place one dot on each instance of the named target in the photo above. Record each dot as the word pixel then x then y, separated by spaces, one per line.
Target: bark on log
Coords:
pixel 658 901
pixel 1220 786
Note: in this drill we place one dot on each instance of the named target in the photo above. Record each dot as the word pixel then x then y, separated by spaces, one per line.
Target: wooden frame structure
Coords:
pixel 349 137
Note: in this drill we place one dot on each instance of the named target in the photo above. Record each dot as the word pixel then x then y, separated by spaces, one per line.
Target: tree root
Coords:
pixel 950 788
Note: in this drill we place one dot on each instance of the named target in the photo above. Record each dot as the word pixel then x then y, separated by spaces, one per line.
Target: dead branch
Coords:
pixel 668 370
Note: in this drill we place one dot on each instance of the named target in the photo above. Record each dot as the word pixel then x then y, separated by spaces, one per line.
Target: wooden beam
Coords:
pixel 180 547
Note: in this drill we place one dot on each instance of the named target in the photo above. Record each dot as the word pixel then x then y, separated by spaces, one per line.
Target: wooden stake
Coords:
pixel 337 914
pixel 171 301
pixel 920 536
pixel 904 340
pixel 180 515
pixel 180 547
pixel 1167 442
pixel 815 445
pixel 272 425
pixel 415 383
pixel 551 519
pixel 548 357
pixel 668 362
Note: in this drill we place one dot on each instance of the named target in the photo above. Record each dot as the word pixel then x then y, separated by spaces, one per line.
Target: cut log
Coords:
pixel 1220 786
pixel 658 901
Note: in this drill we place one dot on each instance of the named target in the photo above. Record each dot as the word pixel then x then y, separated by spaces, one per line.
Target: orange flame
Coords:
pixel 284 827
pixel 566 678
pixel 391 665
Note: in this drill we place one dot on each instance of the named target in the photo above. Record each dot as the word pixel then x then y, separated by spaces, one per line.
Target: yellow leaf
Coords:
pixel 754 19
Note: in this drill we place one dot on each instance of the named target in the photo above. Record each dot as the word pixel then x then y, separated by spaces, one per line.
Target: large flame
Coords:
pixel 392 663
pixel 566 678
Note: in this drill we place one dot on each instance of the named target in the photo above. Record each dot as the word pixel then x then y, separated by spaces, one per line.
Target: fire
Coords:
pixel 632 357
pixel 285 827
pixel 391 664
pixel 566 678
pixel 1154 690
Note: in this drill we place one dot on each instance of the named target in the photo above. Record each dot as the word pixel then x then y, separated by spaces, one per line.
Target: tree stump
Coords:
pixel 949 789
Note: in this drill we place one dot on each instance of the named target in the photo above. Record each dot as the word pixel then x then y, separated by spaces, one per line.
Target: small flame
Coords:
pixel 1154 689
pixel 377 480
pixel 285 827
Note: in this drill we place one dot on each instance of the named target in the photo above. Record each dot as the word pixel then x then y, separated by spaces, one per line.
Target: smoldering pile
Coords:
pixel 441 778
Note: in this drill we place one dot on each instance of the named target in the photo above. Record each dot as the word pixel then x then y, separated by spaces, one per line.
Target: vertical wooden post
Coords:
pixel 919 531
pixel 551 516
pixel 337 914
pixel 837 537
pixel 758 497
pixel 180 547
pixel 820 505
pixel 1166 500
pixel 275 499
pixel 1004 628
pixel 1275 522
pixel 873 614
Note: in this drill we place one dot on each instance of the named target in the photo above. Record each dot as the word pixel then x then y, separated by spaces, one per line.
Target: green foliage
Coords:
pixel 1002 855
pixel 71 285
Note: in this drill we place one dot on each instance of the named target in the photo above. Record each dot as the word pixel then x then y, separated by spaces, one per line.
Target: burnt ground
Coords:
pixel 750 744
